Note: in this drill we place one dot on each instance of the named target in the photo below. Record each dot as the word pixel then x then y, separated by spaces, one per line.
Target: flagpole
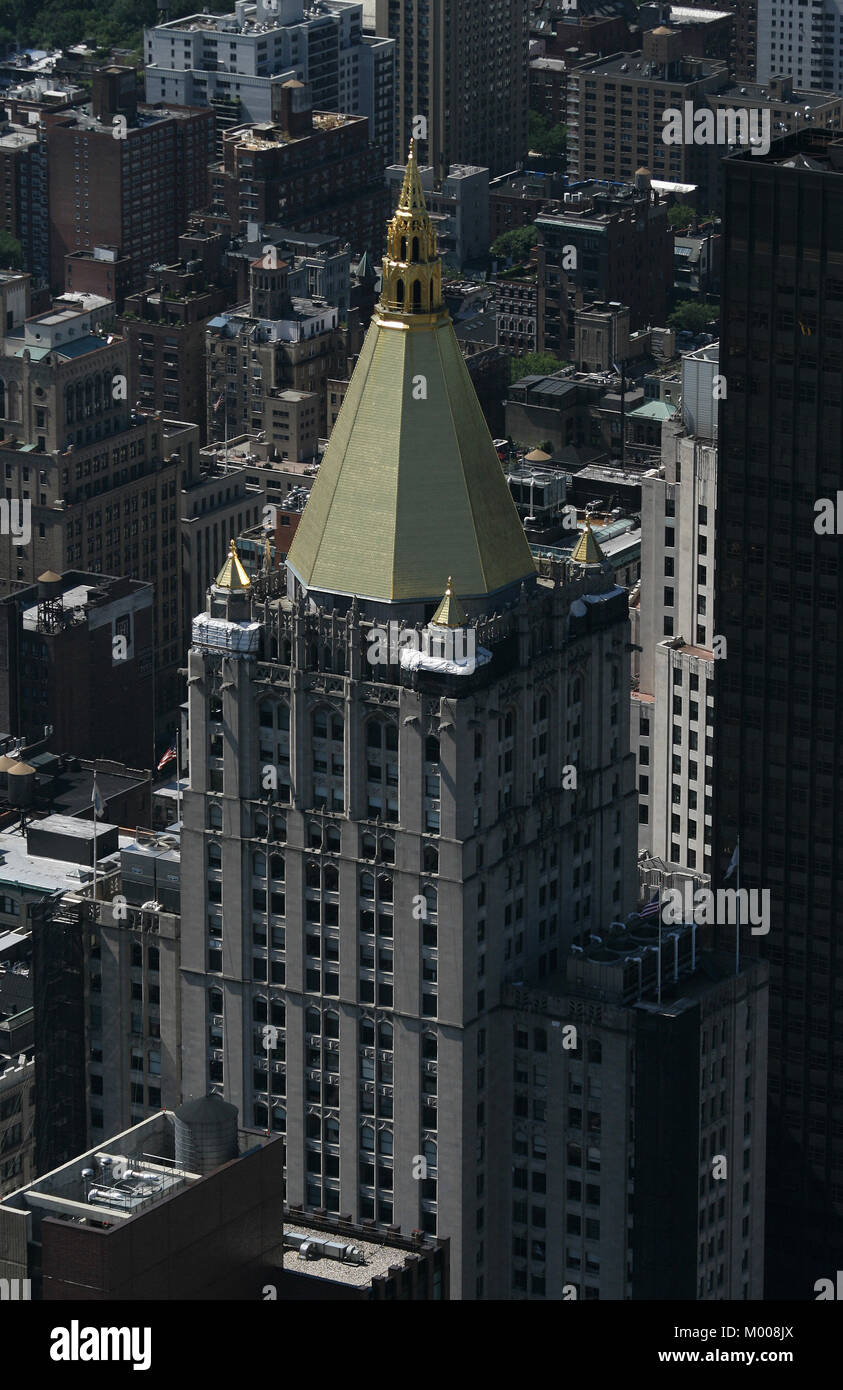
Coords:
pixel 178 773
pixel 94 799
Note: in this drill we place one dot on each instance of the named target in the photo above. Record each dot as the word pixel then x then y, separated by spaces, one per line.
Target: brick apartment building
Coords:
pixel 610 243
pixel 615 111
pixel 306 170
pixel 23 210
pixel 165 325
pixel 134 191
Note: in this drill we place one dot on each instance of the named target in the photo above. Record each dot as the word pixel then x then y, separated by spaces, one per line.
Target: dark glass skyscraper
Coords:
pixel 779 705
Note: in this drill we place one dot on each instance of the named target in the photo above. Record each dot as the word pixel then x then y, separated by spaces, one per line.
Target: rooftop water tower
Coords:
pixel 206 1134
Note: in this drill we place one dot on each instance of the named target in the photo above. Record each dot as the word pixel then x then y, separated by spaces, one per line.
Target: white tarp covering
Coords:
pixel 412 660
pixel 226 636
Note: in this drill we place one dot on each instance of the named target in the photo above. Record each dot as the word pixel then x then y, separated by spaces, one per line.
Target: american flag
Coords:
pixel 652 907
pixel 218 401
pixel 169 756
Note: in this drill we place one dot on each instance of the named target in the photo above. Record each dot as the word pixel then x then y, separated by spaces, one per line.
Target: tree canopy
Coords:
pixel 534 364
pixel 109 23
pixel 516 244
pixel 11 257
pixel 544 138
pixel 690 314
pixel 681 215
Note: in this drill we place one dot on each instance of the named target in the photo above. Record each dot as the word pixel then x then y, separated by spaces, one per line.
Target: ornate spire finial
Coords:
pixel 587 550
pixel 232 575
pixel 450 612
pixel 412 194
pixel 412 269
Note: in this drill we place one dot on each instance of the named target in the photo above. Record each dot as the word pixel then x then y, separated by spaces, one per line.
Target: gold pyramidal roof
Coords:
pixel 410 486
pixel 450 612
pixel 232 575
pixel 587 551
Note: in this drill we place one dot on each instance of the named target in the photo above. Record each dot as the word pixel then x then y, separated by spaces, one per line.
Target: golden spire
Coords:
pixel 412 270
pixel 232 575
pixel 587 551
pixel 450 612
pixel 412 193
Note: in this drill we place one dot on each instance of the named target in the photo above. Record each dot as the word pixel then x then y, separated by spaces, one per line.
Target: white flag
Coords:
pixel 733 863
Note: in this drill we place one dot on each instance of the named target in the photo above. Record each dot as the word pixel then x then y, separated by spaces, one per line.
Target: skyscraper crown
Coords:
pixel 410 489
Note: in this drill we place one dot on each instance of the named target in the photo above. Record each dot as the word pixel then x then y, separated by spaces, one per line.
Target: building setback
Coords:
pixel 391 1266
pixel 778 595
